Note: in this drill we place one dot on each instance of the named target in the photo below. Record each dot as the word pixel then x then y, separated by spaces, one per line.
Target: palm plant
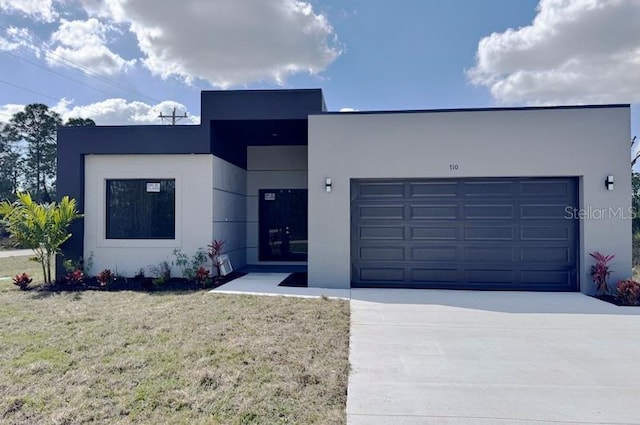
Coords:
pixel 40 227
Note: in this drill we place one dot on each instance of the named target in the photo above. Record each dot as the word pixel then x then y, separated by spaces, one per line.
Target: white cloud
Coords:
pixel 348 110
pixel 123 112
pixel 226 42
pixel 111 112
pixel 575 51
pixel 14 38
pixel 7 111
pixel 83 44
pixel 41 10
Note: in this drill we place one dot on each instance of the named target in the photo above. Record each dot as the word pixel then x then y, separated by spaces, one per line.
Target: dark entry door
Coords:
pixel 283 224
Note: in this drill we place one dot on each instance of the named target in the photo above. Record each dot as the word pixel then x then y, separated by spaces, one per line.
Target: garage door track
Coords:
pixel 470 357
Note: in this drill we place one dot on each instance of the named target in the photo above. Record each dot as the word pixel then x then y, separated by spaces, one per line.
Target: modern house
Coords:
pixel 500 198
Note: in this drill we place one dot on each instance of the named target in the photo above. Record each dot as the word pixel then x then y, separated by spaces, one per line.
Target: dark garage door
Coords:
pixel 510 234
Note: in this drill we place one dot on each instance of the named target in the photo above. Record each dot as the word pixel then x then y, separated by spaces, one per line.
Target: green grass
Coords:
pixel 11 266
pixel 192 358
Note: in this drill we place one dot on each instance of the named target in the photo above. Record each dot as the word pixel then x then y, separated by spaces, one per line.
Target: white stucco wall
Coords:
pixel 192 174
pixel 271 167
pixel 230 209
pixel 589 143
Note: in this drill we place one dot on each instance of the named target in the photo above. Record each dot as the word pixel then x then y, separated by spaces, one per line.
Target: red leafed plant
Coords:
pixel 105 277
pixel 75 276
pixel 22 281
pixel 629 291
pixel 202 276
pixel 600 271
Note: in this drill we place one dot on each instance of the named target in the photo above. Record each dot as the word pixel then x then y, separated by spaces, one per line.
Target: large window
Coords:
pixel 141 209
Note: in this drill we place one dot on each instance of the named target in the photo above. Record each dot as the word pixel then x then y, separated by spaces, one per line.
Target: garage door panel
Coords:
pixel 488 211
pixel 382 190
pixel 377 212
pixel 502 233
pixel 431 212
pixel 489 233
pixel 490 276
pixel 434 233
pixel 488 189
pixel 545 233
pixel 382 274
pixel 381 233
pixel 489 253
pixel 548 211
pixel 549 277
pixel 433 189
pixel 546 255
pixel 435 275
pixel 547 188
pixel 382 253
pixel 434 254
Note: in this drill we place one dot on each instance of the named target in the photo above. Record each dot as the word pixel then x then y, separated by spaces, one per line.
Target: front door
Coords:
pixel 283 224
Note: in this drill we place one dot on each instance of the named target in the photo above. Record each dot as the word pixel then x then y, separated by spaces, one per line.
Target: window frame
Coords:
pixel 144 182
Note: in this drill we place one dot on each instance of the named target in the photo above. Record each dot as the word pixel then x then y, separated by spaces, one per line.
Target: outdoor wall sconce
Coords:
pixel 327 184
pixel 609 183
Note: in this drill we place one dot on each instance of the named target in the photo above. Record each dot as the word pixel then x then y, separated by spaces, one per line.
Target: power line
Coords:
pixel 59 73
pixel 69 63
pixel 44 95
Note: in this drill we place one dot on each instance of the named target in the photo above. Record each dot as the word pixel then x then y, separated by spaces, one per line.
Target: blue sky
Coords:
pixel 123 62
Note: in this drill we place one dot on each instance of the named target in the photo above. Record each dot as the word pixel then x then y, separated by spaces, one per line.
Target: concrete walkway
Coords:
pixel 267 284
pixel 465 357
pixel 16 253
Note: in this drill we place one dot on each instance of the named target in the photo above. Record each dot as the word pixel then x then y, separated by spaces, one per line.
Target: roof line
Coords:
pixel 260 90
pixel 516 108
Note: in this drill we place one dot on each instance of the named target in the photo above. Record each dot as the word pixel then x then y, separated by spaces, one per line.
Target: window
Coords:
pixel 141 209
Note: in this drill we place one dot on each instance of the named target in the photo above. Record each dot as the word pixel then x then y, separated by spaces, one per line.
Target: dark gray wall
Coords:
pixel 260 104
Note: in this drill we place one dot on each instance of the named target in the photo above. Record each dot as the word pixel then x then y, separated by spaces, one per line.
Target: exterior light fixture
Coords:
pixel 609 182
pixel 327 184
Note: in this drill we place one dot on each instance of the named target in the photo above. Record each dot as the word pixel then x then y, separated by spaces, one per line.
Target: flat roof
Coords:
pixel 488 109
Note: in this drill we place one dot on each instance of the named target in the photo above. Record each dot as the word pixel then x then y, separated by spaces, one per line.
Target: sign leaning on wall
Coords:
pixel 225 264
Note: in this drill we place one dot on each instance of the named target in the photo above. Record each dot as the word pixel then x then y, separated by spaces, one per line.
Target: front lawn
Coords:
pixel 179 358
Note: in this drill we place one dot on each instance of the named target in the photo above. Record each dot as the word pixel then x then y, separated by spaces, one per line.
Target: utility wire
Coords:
pixel 69 63
pixel 44 95
pixel 59 74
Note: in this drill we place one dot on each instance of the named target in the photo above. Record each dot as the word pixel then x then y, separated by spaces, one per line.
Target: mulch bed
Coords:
pixel 296 280
pixel 611 299
pixel 142 285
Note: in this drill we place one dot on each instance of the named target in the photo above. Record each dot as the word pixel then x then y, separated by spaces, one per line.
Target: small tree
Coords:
pixel 40 227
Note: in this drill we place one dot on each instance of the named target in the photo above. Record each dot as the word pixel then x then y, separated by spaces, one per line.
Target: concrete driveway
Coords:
pixel 467 357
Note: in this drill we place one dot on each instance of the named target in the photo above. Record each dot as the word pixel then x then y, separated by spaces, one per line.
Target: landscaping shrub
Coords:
pixel 22 281
pixel 189 266
pixel 202 276
pixel 629 291
pixel 105 277
pixel 600 271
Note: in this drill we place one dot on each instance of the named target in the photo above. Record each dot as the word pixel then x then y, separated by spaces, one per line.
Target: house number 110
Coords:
pixel 453 167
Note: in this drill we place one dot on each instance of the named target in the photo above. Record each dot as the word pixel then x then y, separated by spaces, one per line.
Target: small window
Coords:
pixel 141 209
